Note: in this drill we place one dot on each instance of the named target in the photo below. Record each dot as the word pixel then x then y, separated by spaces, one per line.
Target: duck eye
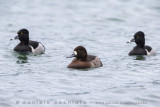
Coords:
pixel 21 33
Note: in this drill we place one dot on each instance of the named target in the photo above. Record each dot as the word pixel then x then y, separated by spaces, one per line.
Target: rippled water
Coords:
pixel 103 27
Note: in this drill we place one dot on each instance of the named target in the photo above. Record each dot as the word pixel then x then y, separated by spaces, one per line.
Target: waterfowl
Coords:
pixel 82 60
pixel 27 45
pixel 140 48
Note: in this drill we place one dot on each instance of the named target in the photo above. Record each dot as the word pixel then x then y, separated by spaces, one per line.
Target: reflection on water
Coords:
pixel 115 19
pixel 140 57
pixel 22 58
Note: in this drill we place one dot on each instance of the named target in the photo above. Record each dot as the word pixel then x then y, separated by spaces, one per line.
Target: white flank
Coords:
pixel 40 49
pixel 152 52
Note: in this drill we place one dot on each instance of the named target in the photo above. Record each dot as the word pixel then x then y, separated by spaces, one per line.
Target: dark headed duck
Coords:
pixel 27 45
pixel 140 48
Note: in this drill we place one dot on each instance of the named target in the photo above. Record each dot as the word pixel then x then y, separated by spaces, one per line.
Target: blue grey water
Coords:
pixel 103 27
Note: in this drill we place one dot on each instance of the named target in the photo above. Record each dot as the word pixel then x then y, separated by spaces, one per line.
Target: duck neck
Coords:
pixel 25 43
pixel 24 39
pixel 140 45
pixel 84 56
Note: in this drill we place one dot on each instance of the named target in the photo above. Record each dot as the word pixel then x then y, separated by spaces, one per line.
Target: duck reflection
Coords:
pixel 22 58
pixel 140 57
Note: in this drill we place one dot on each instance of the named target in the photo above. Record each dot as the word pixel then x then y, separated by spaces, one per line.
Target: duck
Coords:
pixel 82 60
pixel 140 48
pixel 26 45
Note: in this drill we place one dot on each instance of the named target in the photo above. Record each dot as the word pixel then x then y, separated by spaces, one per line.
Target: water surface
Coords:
pixel 103 27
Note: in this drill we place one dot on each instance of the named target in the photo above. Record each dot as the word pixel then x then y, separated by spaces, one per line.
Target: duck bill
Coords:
pixel 132 40
pixel 16 37
pixel 71 56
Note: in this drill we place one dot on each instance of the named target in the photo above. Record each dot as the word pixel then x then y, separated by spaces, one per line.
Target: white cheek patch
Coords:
pixel 75 52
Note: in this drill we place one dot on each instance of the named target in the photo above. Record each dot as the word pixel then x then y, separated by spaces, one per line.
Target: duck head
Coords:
pixel 80 53
pixel 23 36
pixel 139 39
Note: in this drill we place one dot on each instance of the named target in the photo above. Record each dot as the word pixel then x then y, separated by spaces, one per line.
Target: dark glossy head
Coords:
pixel 139 38
pixel 80 53
pixel 23 36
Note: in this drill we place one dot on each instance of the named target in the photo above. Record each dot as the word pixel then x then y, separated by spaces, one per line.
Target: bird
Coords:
pixel 140 48
pixel 26 45
pixel 82 60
